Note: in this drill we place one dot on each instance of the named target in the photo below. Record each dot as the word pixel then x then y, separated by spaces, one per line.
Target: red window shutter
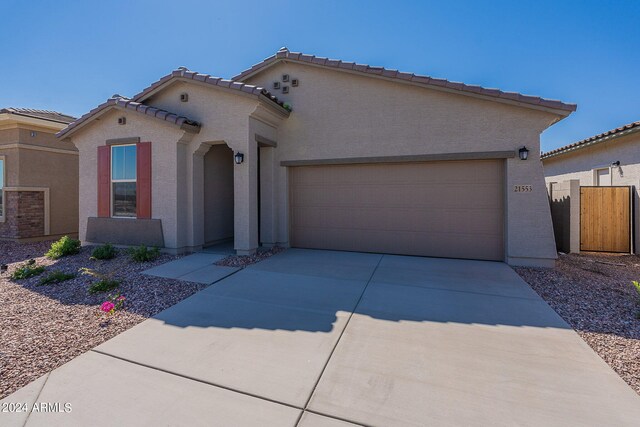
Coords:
pixel 104 181
pixel 143 186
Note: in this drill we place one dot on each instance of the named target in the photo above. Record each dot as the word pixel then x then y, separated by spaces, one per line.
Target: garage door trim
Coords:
pixel 477 155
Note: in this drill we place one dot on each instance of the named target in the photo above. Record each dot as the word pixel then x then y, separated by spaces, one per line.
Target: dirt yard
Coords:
pixel 43 327
pixel 593 293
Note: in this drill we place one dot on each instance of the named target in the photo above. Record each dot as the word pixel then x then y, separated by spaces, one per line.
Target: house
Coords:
pixel 311 152
pixel 608 159
pixel 38 176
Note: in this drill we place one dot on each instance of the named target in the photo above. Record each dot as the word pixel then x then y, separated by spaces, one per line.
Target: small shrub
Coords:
pixel 143 254
pixel 636 285
pixel 26 270
pixel 56 277
pixel 106 251
pixel 103 285
pixel 63 247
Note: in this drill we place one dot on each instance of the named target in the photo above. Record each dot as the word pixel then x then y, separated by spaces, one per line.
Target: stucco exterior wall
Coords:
pixel 164 140
pixel 580 165
pixel 225 118
pixel 338 114
pixel 41 161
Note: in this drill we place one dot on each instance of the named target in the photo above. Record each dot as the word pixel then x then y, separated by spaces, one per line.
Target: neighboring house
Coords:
pixel 38 176
pixel 347 157
pixel 611 158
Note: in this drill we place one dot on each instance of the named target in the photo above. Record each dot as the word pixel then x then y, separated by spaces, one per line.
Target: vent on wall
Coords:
pixel 122 120
pixel 184 97
pixel 276 85
pixel 285 89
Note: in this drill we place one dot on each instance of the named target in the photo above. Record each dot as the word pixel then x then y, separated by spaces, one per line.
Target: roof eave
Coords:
pixel 187 126
pixel 560 108
pixel 577 147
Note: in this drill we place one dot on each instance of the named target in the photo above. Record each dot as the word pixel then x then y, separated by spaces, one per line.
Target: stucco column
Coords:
pixel 574 215
pixel 245 206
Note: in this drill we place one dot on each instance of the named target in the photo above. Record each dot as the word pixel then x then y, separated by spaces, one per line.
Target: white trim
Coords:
pixel 47 204
pixel 595 178
pixel 111 181
pixel 39 148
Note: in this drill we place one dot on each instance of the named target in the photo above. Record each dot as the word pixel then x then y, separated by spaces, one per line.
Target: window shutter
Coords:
pixel 143 185
pixel 104 181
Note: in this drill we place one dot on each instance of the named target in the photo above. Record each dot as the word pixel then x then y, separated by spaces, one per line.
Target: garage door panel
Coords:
pixel 448 209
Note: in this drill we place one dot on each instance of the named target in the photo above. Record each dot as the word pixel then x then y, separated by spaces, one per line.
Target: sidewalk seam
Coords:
pixel 197 380
pixel 315 386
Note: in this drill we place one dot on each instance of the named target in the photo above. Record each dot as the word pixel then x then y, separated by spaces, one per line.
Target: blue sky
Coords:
pixel 70 56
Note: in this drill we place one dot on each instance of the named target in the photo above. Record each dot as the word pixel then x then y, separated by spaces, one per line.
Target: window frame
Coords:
pixel 596 177
pixel 3 203
pixel 112 181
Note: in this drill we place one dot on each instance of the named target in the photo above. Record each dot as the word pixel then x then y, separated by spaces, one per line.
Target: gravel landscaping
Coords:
pixel 245 260
pixel 43 327
pixel 593 293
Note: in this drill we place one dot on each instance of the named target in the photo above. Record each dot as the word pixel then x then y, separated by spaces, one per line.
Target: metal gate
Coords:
pixel 605 219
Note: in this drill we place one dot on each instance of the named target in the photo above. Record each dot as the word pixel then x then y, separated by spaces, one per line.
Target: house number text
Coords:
pixel 522 188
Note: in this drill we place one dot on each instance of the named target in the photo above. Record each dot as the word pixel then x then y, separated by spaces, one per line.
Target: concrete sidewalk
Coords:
pixel 320 338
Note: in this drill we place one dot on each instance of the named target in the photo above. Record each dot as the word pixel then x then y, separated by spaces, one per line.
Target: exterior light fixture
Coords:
pixel 523 153
pixel 616 163
pixel 3 268
pixel 239 158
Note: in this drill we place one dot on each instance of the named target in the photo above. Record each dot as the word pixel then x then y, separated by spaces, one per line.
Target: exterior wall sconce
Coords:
pixel 239 158
pixel 523 153
pixel 616 163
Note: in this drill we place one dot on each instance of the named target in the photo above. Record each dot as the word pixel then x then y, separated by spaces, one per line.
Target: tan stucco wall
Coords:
pixel 225 117
pixel 29 166
pixel 338 114
pixel 164 140
pixel 580 165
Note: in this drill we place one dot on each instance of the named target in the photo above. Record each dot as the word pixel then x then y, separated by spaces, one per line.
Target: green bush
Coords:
pixel 106 251
pixel 26 270
pixel 143 254
pixel 103 285
pixel 63 247
pixel 56 277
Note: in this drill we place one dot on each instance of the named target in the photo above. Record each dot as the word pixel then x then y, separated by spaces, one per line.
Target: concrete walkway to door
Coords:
pixel 321 338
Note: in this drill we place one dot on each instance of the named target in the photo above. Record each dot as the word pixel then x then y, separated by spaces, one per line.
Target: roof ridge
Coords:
pixel 284 53
pixel 592 139
pixel 50 115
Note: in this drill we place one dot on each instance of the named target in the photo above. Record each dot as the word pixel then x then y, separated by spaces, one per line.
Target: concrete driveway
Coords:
pixel 321 338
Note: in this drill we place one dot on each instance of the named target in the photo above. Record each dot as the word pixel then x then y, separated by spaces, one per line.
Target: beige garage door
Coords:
pixel 448 209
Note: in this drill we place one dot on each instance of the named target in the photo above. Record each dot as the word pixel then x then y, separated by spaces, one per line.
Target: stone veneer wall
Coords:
pixel 24 215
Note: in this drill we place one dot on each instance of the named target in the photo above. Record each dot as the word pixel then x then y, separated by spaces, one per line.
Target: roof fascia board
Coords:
pixel 9 118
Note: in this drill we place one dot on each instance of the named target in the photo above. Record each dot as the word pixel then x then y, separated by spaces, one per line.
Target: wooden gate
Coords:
pixel 605 219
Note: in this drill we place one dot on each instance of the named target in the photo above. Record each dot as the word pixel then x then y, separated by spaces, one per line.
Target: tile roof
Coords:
pixel 285 54
pixel 186 74
pixel 602 137
pixel 118 101
pixel 53 116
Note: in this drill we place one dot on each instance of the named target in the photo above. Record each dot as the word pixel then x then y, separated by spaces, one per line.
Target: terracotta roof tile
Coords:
pixel 602 137
pixel 285 54
pixel 127 104
pixel 53 116
pixel 185 73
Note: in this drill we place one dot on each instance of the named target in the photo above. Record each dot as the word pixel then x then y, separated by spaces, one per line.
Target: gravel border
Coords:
pixel 43 327
pixel 245 260
pixel 593 293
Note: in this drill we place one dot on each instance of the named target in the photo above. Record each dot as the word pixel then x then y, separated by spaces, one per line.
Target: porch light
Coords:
pixel 523 153
pixel 239 158
pixel 3 268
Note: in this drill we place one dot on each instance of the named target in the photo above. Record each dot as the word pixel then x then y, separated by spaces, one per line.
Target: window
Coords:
pixel 1 187
pixel 123 180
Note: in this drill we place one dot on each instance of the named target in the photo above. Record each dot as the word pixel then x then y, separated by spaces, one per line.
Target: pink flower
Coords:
pixel 107 306
pixel 121 298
